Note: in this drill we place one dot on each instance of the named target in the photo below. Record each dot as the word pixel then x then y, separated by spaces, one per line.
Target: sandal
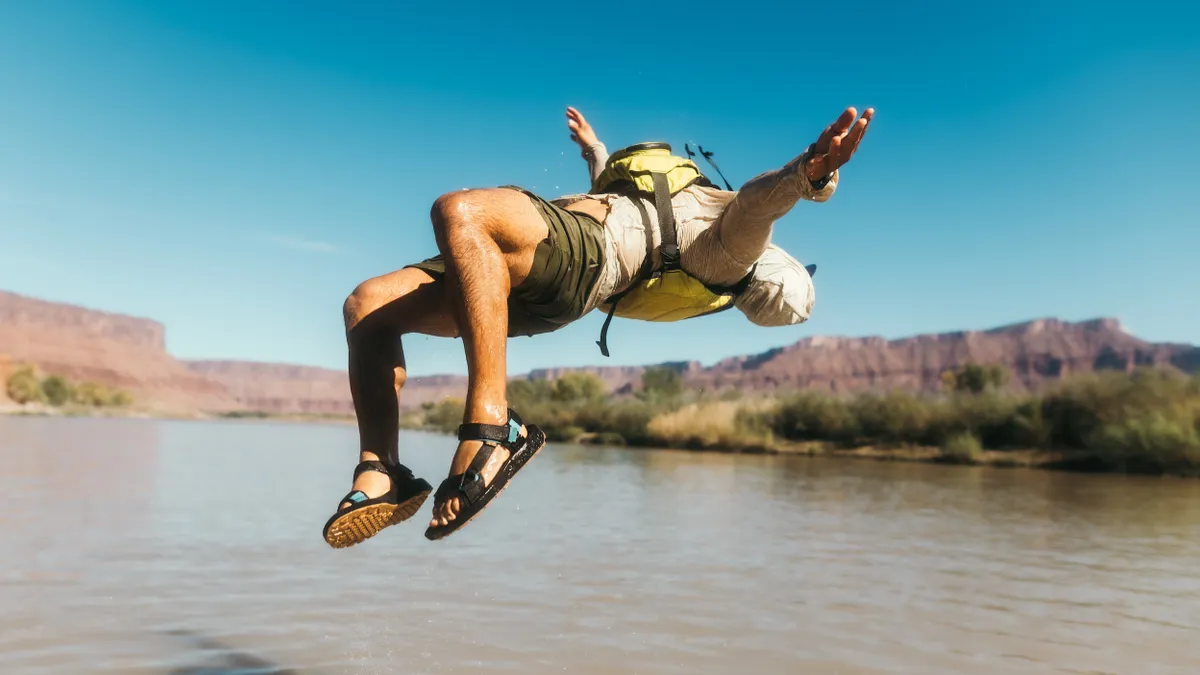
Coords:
pixel 365 517
pixel 468 486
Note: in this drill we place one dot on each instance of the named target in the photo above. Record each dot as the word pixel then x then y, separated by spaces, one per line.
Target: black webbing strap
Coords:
pixel 666 222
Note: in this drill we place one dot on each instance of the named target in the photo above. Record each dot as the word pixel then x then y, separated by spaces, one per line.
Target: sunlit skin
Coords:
pixel 488 239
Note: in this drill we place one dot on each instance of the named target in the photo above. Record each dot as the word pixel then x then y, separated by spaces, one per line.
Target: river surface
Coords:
pixel 115 534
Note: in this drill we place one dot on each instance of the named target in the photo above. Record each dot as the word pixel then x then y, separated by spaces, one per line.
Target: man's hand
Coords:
pixel 837 143
pixel 581 131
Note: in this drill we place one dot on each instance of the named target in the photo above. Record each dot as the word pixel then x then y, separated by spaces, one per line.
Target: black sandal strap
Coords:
pixel 504 434
pixel 393 472
pixel 469 484
pixel 372 465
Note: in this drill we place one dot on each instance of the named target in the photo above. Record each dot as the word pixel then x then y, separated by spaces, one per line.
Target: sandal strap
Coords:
pixel 355 497
pixel 393 472
pixel 372 465
pixel 469 484
pixel 504 434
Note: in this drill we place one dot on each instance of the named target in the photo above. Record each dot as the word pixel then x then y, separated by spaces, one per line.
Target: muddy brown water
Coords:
pixel 115 532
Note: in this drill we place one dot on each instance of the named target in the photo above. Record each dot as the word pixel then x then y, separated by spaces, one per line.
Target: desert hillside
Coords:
pixel 111 349
pixel 130 353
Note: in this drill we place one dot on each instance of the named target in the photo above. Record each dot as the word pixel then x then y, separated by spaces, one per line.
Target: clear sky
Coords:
pixel 233 169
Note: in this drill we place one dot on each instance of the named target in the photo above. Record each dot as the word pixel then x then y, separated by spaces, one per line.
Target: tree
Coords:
pixel 525 394
pixel 24 386
pixel 444 415
pixel 58 390
pixel 578 388
pixel 119 398
pixel 661 382
pixel 976 379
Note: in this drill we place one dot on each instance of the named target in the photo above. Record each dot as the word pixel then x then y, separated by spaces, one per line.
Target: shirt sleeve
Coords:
pixel 780 293
pixel 596 156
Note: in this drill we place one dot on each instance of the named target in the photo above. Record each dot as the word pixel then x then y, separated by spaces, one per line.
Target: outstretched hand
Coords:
pixel 581 131
pixel 838 143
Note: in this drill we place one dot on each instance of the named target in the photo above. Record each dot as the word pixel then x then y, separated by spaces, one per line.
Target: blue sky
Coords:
pixel 234 169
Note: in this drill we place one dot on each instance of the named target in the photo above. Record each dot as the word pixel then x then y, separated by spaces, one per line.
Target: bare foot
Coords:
pixel 371 483
pixel 448 510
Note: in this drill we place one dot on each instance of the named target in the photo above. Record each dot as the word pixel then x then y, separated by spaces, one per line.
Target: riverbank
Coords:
pixel 1145 422
pixel 35 410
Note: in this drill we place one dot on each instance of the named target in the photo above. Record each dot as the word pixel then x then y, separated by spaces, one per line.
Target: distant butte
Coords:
pixel 130 352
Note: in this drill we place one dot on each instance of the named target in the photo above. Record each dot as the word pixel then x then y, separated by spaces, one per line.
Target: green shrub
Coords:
pixel 578 388
pixel 1146 421
pixel 1152 443
pixel 444 415
pixel 24 386
pixel 962 448
pixel 974 378
pixel 890 418
pixel 810 416
pixel 58 391
pixel 660 384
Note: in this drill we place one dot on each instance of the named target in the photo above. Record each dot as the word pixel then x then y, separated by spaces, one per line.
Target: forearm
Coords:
pixel 596 155
pixel 774 193
pixel 745 226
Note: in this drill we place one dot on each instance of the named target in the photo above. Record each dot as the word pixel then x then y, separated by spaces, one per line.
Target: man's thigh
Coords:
pixel 566 265
pixel 409 300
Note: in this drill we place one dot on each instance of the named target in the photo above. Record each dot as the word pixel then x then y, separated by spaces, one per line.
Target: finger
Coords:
pixel 859 131
pixel 839 128
pixel 855 136
pixel 834 156
pixel 843 123
pixel 845 120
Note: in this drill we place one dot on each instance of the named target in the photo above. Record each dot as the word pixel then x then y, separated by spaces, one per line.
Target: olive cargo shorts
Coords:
pixel 566 265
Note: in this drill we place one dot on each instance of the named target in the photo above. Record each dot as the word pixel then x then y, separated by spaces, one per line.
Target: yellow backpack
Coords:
pixel 668 293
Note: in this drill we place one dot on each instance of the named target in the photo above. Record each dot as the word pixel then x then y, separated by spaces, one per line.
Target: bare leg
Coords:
pixel 377 313
pixel 488 239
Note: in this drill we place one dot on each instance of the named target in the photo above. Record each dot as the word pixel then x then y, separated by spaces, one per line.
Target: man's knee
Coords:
pixel 359 304
pixel 454 211
pixel 369 297
pixel 405 301
pixel 497 213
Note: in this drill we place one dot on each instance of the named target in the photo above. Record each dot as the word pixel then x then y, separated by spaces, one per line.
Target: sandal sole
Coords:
pixel 442 535
pixel 362 524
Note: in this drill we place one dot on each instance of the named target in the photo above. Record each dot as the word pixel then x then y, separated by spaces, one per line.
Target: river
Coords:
pixel 118 532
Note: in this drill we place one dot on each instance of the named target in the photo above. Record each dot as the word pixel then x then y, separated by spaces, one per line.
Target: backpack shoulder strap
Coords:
pixel 666 222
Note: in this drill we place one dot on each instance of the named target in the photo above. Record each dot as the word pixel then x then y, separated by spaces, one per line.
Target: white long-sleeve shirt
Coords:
pixel 722 235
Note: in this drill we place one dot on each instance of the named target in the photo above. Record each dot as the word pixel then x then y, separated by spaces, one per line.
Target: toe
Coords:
pixel 444 513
